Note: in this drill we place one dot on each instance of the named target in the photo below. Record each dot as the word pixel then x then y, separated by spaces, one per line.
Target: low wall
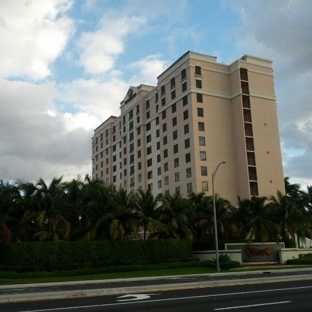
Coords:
pixel 257 252
pixel 292 253
pixel 236 255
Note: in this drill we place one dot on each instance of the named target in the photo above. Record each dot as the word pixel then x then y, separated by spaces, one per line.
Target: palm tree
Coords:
pixel 98 200
pixel 289 214
pixel 75 208
pixel 176 215
pixel 9 222
pixel 124 221
pixel 147 210
pixel 225 218
pixel 253 219
pixel 28 205
pixel 202 216
pixel 52 224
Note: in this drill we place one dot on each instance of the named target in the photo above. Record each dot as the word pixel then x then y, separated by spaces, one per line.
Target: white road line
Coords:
pixel 252 305
pixel 169 299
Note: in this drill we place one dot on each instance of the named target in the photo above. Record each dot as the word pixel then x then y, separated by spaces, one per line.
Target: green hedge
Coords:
pixel 69 255
pixel 303 259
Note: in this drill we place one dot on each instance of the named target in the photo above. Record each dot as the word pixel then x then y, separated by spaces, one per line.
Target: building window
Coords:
pixel 164 127
pixel 131 114
pixel 178 190
pixel 202 155
pixel 131 158
pixel 159 171
pixel 165 153
pixel 159 183
pixel 158 145
pixel 185 115
pixel 189 188
pixel 188 157
pixel 173 108
pixel 183 74
pixel 173 94
pixel 149 162
pixel 163 90
pixel 163 114
pixel 198 84
pixel 165 140
pixel 176 162
pixel 139 177
pixel 150 175
pixel 166 166
pixel 204 186
pixel 163 101
pixel 139 131
pixel 131 125
pixel 184 86
pixel 187 143
pixel 172 82
pixel 148 115
pixel 149 150
pixel 138 119
pixel 186 129
pixel 156 97
pixel 175 148
pixel 202 141
pixel 166 180
pixel 139 166
pixel 203 171
pixel 177 177
pixel 188 172
pixel 131 136
pixel 157 121
pixel 185 100
pixel 174 121
pixel 201 126
pixel 158 158
pixel 139 154
pixel 157 133
pixel 131 147
pixel 149 138
pixel 200 112
pixel 198 70
pixel 139 142
pixel 150 186
pixel 175 134
pixel 199 97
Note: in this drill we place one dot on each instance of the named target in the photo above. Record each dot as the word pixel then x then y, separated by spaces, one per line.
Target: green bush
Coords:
pixel 48 256
pixel 303 259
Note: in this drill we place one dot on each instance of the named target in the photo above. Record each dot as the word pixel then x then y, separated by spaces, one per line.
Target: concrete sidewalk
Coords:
pixel 30 292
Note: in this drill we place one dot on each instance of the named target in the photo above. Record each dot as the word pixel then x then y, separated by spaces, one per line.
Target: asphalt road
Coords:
pixel 125 286
pixel 281 296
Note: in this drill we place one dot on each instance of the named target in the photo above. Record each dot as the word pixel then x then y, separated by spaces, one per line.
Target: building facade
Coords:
pixel 171 137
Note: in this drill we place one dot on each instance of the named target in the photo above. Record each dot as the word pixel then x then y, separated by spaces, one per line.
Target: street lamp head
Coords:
pixel 223 162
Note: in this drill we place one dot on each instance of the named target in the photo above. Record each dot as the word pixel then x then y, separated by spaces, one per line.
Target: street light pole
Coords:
pixel 215 215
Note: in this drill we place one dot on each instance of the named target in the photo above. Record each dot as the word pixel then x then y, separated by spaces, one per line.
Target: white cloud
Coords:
pixel 34 143
pixel 100 48
pixel 33 34
pixel 147 70
pixel 93 97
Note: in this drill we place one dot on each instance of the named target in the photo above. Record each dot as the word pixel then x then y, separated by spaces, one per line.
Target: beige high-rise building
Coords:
pixel 170 138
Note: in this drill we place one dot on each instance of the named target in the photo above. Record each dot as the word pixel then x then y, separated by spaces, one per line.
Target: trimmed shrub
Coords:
pixel 69 255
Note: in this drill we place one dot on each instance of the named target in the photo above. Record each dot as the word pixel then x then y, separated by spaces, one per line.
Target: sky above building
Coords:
pixel 65 66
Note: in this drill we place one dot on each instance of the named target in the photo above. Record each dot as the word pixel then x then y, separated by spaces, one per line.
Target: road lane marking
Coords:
pixel 252 305
pixel 134 297
pixel 170 299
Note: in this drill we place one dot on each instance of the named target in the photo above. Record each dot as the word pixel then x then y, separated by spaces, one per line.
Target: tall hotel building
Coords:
pixel 171 137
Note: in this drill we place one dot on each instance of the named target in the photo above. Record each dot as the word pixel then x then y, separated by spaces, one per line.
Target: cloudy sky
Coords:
pixel 65 65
